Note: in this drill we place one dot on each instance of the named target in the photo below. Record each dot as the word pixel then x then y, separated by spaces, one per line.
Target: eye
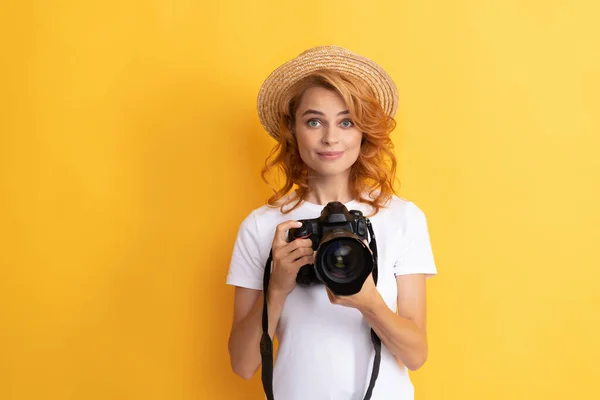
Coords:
pixel 313 123
pixel 347 123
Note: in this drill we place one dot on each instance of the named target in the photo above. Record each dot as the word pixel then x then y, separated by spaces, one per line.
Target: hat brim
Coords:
pixel 320 58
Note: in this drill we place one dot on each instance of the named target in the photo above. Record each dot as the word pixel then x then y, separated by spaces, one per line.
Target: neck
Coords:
pixel 328 189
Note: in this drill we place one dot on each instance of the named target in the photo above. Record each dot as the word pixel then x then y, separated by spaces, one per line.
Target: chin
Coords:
pixel 330 171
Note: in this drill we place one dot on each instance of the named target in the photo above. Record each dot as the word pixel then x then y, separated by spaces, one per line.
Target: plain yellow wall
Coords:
pixel 130 151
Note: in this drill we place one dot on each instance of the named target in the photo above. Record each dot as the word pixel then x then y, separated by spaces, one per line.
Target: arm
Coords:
pixel 403 333
pixel 246 330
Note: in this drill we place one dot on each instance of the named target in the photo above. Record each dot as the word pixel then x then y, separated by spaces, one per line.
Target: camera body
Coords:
pixel 343 261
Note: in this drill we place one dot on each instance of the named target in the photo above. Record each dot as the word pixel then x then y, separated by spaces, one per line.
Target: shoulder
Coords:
pixel 400 215
pixel 265 217
pixel 409 208
pixel 400 208
pixel 268 212
pixel 258 217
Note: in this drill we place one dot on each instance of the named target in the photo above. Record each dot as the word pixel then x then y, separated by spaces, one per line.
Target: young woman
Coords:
pixel 331 112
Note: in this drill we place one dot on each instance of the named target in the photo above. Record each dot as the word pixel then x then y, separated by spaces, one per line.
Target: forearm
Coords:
pixel 401 336
pixel 244 341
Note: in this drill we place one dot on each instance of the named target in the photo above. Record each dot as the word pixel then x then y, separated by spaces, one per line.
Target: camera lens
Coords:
pixel 343 260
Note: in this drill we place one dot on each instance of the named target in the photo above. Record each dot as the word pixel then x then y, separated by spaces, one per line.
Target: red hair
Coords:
pixel 374 171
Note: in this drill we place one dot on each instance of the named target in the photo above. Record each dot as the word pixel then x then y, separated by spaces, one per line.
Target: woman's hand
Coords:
pixel 288 258
pixel 364 300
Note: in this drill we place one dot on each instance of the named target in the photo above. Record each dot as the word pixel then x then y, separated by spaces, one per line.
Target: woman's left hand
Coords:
pixel 362 301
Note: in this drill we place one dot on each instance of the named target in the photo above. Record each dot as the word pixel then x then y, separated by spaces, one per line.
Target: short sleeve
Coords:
pixel 416 254
pixel 246 269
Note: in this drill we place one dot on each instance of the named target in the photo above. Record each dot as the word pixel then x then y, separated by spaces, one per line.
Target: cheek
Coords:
pixel 304 141
pixel 354 141
pixel 304 145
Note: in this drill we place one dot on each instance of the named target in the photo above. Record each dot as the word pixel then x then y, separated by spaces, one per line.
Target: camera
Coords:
pixel 343 261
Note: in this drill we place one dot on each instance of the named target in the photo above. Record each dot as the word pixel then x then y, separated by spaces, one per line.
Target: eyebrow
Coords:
pixel 310 111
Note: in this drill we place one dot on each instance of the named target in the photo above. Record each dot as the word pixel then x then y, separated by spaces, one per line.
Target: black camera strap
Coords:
pixel 374 338
pixel 266 344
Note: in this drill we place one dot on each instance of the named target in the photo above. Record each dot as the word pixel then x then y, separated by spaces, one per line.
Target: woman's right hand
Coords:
pixel 288 258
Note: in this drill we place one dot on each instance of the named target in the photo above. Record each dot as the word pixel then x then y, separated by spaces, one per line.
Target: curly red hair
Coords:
pixel 374 171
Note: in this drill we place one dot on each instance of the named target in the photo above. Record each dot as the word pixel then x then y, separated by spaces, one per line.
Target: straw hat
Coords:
pixel 318 58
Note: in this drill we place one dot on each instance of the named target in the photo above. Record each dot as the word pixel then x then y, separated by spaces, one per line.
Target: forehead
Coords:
pixel 321 99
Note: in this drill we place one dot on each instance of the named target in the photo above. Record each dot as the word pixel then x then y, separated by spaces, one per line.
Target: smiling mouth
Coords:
pixel 330 155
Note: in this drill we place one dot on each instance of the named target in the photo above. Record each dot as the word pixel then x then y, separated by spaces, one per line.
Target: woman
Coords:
pixel 331 112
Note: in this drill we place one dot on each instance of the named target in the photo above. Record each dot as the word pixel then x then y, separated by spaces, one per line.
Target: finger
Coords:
pixel 302 261
pixel 282 257
pixel 280 238
pixel 298 253
pixel 298 243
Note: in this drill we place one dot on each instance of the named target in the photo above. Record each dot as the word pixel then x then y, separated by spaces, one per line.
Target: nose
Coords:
pixel 331 135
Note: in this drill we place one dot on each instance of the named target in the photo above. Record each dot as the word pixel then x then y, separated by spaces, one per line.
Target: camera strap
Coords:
pixel 266 344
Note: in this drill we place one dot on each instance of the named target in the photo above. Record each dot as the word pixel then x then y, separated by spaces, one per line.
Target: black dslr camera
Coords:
pixel 343 261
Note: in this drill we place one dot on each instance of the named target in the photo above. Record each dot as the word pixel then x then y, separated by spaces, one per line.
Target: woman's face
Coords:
pixel 328 141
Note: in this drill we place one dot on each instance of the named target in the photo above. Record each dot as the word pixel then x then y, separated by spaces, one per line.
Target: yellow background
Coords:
pixel 130 151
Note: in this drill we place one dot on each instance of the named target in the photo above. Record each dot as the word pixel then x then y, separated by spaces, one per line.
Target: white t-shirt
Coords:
pixel 325 350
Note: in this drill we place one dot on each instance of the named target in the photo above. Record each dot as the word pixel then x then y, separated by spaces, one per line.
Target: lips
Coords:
pixel 330 155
